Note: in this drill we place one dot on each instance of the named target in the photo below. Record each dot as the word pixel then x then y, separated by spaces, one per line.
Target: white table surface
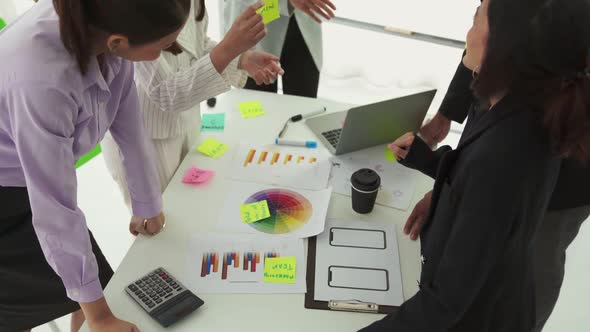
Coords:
pixel 193 209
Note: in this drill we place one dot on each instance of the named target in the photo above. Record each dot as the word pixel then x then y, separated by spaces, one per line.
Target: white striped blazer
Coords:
pixel 171 87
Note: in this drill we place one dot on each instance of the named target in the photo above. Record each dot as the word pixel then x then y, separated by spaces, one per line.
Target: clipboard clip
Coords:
pixel 353 305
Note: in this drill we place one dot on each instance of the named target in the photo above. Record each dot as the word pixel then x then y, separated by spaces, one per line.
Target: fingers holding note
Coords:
pixel 313 8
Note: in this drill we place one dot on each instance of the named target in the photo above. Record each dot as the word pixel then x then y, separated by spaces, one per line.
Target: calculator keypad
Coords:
pixel 154 289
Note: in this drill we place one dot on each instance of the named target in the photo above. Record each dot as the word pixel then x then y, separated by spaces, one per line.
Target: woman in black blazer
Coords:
pixel 491 191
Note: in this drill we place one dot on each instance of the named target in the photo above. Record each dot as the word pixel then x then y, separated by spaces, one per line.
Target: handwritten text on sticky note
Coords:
pixel 197 176
pixel 213 122
pixel 254 212
pixel 270 11
pixel 251 109
pixel 212 148
pixel 280 270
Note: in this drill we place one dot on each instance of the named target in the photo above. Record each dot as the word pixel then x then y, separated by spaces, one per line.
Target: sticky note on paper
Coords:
pixel 251 109
pixel 270 11
pixel 389 155
pixel 254 212
pixel 212 148
pixel 197 176
pixel 213 122
pixel 280 270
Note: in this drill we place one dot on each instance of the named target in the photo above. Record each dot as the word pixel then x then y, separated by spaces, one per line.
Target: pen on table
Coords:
pixel 299 117
pixel 306 144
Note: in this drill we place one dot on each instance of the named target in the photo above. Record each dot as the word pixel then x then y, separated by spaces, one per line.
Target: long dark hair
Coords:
pixel 175 48
pixel 141 21
pixel 539 50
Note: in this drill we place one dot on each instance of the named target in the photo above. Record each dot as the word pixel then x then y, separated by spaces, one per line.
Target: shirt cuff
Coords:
pixel 147 210
pixel 88 293
pixel 236 77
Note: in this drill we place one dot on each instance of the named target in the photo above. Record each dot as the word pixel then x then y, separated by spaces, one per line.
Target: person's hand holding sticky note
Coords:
pixel 212 148
pixel 389 155
pixel 251 109
pixel 280 270
pixel 197 176
pixel 254 212
pixel 213 122
pixel 270 11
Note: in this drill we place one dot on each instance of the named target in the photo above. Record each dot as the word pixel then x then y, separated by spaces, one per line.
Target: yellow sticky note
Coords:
pixel 254 212
pixel 251 109
pixel 270 11
pixel 212 148
pixel 280 270
pixel 389 155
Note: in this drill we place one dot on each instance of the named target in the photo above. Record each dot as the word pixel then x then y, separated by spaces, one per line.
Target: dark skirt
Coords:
pixel 31 293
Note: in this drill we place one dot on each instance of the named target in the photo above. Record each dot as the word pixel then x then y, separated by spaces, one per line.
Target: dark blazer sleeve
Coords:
pixel 484 219
pixel 459 97
pixel 420 157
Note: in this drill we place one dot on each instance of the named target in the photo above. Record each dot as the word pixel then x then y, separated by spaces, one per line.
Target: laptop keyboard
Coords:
pixel 333 136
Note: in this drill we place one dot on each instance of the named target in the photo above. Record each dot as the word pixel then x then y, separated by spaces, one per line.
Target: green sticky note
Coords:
pixel 2 23
pixel 212 148
pixel 389 155
pixel 251 109
pixel 270 11
pixel 213 122
pixel 254 212
pixel 280 270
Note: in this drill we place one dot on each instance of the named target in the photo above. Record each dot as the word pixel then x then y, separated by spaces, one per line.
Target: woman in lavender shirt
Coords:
pixel 65 79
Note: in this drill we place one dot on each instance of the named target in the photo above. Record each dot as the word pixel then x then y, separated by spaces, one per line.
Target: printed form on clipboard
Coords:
pixel 354 266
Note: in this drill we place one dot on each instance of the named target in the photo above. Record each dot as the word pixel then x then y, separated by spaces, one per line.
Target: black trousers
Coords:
pixel 302 76
pixel 556 232
pixel 31 293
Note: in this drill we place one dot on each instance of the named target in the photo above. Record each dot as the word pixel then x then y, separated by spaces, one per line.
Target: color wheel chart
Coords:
pixel 289 211
pixel 266 158
pixel 250 261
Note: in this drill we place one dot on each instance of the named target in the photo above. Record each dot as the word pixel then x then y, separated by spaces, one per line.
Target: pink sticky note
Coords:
pixel 197 176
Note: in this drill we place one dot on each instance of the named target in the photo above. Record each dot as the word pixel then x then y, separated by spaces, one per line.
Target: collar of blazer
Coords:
pixel 188 36
pixel 503 109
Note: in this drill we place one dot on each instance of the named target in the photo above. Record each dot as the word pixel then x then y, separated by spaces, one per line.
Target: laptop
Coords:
pixel 371 125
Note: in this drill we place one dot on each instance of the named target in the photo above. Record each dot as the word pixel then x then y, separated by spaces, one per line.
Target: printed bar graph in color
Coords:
pixel 250 157
pixel 262 157
pixel 288 159
pixel 215 263
pixel 229 259
pixel 275 158
pixel 255 158
pixel 209 264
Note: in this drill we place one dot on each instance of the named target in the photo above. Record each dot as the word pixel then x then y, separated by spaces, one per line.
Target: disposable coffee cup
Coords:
pixel 365 187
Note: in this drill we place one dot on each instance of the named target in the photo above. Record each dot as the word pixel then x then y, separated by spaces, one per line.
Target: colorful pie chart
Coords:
pixel 289 211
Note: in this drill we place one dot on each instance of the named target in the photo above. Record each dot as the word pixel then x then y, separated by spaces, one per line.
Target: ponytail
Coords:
pixel 74 31
pixel 175 48
pixel 568 119
pixel 201 14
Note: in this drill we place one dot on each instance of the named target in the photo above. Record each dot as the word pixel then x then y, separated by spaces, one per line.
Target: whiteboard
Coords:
pixel 444 18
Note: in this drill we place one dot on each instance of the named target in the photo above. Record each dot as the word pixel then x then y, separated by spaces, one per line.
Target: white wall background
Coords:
pixel 360 67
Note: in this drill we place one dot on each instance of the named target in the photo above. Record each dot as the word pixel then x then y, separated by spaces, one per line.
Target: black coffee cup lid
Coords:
pixel 365 179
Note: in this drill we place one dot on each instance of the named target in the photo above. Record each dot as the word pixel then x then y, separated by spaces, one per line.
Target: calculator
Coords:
pixel 164 298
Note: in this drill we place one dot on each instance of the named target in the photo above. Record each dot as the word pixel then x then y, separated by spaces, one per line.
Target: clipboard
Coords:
pixel 335 305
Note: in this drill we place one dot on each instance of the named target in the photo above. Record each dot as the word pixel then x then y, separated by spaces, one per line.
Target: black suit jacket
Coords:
pixel 488 197
pixel 573 185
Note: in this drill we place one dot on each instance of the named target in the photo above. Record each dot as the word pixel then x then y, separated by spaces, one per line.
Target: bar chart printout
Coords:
pixel 280 165
pixel 232 263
